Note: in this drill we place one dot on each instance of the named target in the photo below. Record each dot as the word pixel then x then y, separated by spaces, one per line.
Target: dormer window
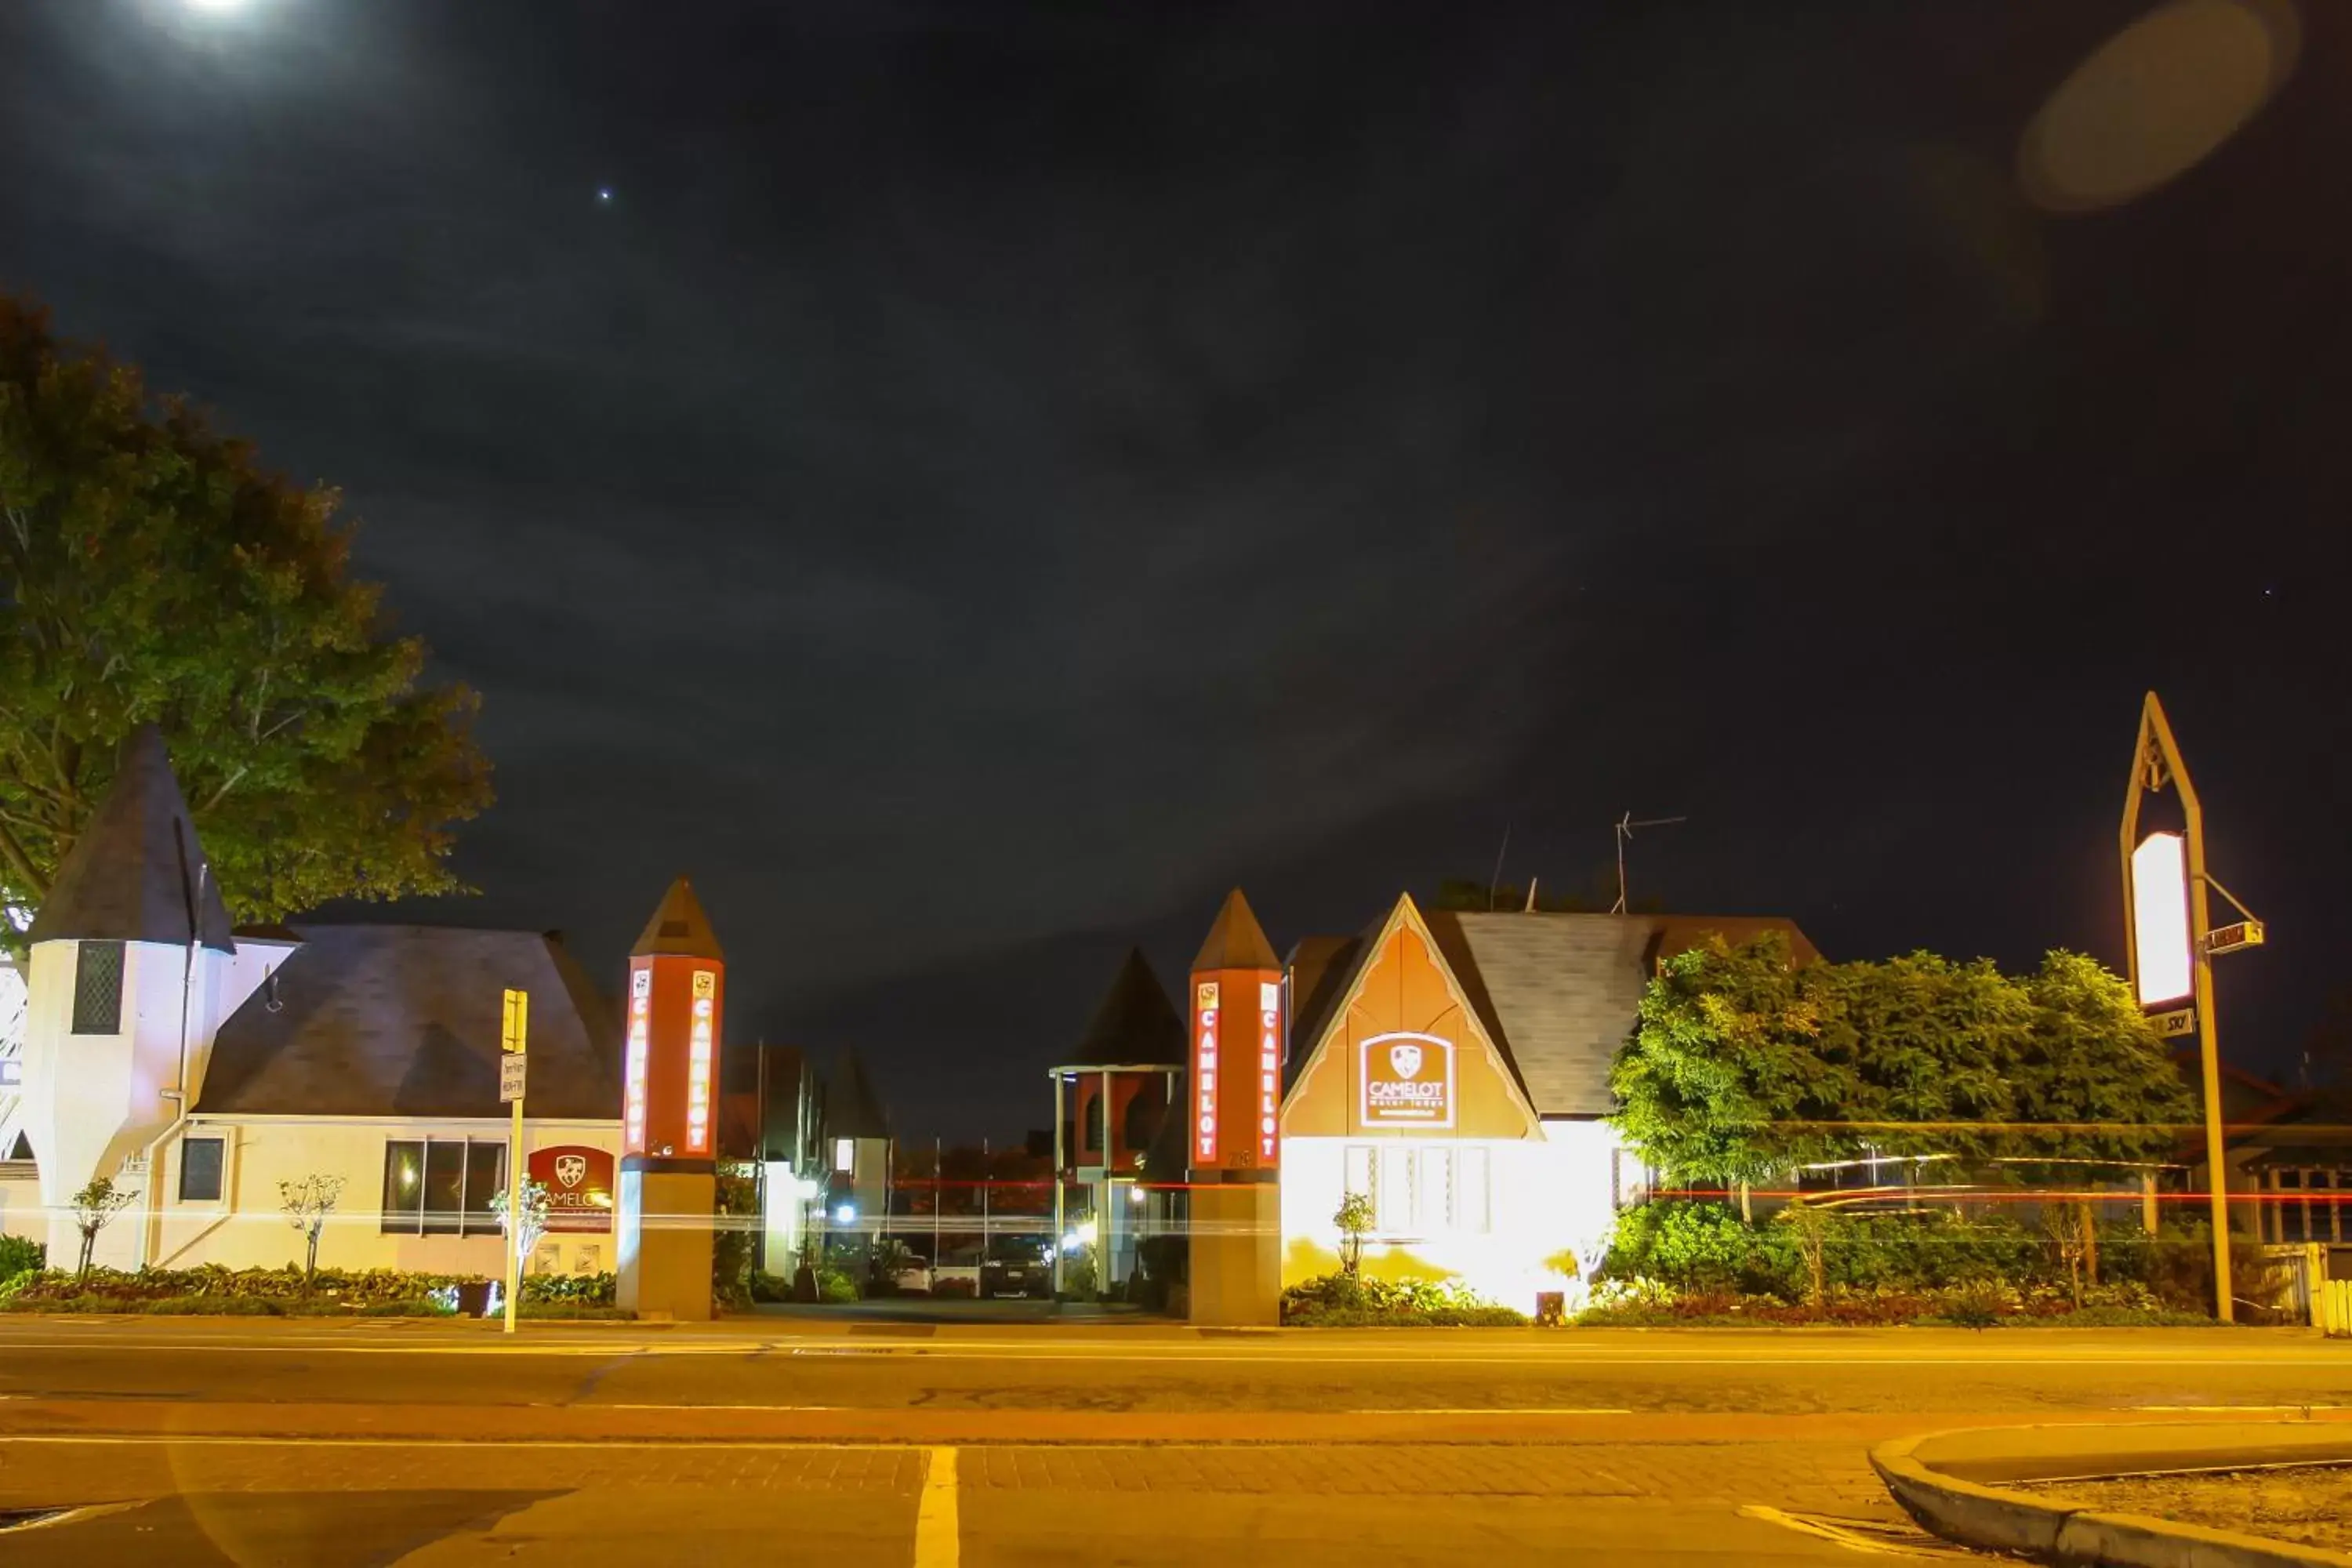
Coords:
pixel 98 989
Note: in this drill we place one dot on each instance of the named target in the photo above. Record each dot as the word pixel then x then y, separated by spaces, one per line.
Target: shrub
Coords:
pixel 734 1239
pixel 574 1289
pixel 21 1255
pixel 767 1287
pixel 1345 1300
pixel 835 1285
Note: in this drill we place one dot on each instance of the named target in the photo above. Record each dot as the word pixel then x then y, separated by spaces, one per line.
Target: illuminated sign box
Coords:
pixel 2161 919
pixel 1408 1081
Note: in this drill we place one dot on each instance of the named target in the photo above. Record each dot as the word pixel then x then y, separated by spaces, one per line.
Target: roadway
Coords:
pixel 439 1443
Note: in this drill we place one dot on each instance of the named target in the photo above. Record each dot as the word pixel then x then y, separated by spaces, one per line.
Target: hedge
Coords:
pixel 1347 1301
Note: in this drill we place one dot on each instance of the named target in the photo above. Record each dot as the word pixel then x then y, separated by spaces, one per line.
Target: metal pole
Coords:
pixel 514 1214
pixel 2209 1046
pixel 1057 1186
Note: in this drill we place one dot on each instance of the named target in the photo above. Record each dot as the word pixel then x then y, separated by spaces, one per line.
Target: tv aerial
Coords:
pixel 1624 827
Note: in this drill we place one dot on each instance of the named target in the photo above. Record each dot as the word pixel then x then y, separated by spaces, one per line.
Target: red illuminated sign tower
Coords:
pixel 671 1032
pixel 1233 1107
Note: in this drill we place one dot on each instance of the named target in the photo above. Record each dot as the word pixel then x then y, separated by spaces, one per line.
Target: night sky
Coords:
pixel 969 483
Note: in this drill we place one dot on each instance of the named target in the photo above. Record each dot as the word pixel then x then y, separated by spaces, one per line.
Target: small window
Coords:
pixel 200 1169
pixel 98 989
pixel 844 1155
pixel 486 1175
pixel 445 1187
pixel 404 1187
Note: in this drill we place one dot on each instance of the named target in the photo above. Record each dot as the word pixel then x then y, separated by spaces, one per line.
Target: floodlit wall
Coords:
pixel 1508 1217
pixel 247 1228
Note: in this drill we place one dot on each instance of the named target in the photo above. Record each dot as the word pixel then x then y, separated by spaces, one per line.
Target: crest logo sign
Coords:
pixel 579 1182
pixel 1408 1081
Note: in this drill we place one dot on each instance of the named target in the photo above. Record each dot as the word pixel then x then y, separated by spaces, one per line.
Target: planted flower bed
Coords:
pixel 284 1292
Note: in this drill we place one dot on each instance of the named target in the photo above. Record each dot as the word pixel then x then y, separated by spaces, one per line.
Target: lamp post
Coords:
pixel 2171 944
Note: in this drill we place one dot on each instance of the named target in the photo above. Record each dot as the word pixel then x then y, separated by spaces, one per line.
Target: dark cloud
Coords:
pixel 991 476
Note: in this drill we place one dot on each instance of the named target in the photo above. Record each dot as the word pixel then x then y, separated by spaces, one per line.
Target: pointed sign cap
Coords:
pixel 679 929
pixel 1236 941
pixel 137 873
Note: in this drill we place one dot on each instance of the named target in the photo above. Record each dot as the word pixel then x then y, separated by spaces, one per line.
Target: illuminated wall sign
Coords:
pixel 633 1111
pixel 1408 1081
pixel 1204 1073
pixel 2161 919
pixel 698 1061
pixel 1269 1072
pixel 579 1182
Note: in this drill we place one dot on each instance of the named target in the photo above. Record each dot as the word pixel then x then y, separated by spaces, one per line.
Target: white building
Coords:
pixel 201 1068
pixel 1454 1068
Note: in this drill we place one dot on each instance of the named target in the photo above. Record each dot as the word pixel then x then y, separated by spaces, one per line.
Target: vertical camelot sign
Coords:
pixel 1204 1073
pixel 1236 1084
pixel 677 997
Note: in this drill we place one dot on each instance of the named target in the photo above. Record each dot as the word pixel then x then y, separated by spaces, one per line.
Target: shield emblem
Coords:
pixel 1405 1059
pixel 571 1168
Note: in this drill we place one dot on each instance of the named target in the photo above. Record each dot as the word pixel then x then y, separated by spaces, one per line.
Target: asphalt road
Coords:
pixel 428 1443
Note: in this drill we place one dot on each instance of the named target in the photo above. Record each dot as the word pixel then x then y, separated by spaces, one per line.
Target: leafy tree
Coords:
pixel 1742 1066
pixel 2091 1070
pixel 151 570
pixel 1727 1073
pixel 307 1203
pixel 93 1206
pixel 534 1207
pixel 1355 1222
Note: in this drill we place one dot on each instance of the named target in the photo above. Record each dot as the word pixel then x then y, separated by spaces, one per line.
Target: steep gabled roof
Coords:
pixel 1136 1023
pixel 137 872
pixel 679 928
pixel 403 1021
pixel 1236 941
pixel 851 1107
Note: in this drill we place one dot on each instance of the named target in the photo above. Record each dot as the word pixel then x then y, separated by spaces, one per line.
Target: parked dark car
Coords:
pixel 1016 1266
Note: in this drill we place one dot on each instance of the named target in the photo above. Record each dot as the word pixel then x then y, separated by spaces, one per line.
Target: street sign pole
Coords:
pixel 511 1064
pixel 2155 763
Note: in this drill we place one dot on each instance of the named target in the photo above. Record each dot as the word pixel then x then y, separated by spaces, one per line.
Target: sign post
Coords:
pixel 2171 941
pixel 512 1064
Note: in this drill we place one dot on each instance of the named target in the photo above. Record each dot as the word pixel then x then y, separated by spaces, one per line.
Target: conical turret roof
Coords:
pixel 137 873
pixel 1136 1023
pixel 679 929
pixel 1236 941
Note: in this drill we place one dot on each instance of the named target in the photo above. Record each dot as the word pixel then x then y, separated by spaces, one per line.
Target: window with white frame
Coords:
pixel 442 1186
pixel 1422 1189
pixel 844 1155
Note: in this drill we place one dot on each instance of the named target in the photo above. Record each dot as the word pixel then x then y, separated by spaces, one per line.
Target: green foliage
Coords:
pixel 1355 1220
pixel 836 1284
pixel 21 1254
pixel 575 1289
pixel 1347 1301
pixel 734 1239
pixel 95 1204
pixel 1743 1067
pixel 151 570
pixel 307 1203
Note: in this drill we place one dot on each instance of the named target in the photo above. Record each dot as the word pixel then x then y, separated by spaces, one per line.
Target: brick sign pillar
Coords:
pixel 669 1112
pixel 1233 1110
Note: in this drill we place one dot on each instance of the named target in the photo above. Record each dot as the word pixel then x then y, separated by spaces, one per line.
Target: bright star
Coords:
pixel 603 193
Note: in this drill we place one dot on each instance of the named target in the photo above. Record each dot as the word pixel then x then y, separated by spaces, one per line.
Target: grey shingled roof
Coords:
pixel 403 1021
pixel 137 872
pixel 851 1107
pixel 1560 992
pixel 1135 1023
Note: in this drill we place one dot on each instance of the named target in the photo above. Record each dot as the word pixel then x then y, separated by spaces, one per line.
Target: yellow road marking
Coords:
pixel 937 1541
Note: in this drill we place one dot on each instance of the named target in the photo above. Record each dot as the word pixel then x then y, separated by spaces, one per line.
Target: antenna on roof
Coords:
pixel 1531 898
pixel 1495 880
pixel 1625 827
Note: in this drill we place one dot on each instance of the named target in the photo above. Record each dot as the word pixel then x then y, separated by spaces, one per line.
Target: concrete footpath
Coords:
pixel 1952 1483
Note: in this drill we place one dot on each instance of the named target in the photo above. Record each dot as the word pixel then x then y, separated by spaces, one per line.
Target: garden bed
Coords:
pixel 2310 1505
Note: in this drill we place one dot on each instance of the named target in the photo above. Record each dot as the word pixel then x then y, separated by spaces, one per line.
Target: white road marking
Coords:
pixel 1847 1535
pixel 938 1539
pixel 71 1516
